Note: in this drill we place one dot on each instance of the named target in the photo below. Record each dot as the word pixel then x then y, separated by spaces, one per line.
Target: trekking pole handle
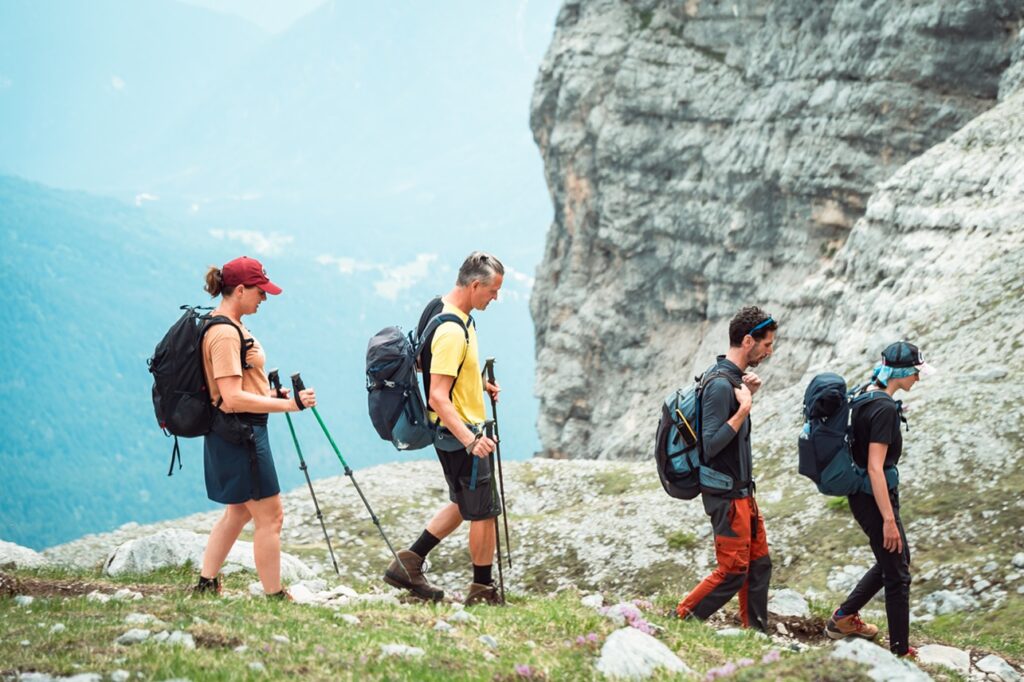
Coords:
pixel 489 369
pixel 298 386
pixel 275 380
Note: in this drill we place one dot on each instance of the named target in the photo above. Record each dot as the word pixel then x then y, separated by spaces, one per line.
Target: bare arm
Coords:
pixel 891 539
pixel 237 400
pixel 441 403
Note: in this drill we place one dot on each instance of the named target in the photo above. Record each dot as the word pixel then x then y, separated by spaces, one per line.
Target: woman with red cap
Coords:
pixel 238 463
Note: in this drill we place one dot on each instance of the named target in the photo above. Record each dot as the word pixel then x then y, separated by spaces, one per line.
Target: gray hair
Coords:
pixel 479 266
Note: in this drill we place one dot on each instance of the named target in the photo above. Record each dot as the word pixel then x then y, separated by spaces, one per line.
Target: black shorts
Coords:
pixel 477 498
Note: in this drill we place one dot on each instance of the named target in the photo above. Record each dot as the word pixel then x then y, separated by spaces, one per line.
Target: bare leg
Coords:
pixel 481 542
pixel 222 538
pixel 268 516
pixel 446 520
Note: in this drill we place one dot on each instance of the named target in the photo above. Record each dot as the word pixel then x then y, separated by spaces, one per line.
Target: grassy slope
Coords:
pixel 536 631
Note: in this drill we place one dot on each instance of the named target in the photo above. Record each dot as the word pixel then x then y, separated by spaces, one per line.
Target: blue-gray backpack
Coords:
pixel 397 408
pixel 826 442
pixel 677 443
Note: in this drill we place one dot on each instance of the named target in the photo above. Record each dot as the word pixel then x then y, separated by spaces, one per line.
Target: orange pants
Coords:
pixel 744 566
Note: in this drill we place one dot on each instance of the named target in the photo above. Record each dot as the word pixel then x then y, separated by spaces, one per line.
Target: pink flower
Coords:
pixel 771 656
pixel 592 638
pixel 580 639
pixel 524 671
pixel 744 662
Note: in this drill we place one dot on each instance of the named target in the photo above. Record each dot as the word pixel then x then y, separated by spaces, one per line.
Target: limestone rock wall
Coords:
pixel 701 155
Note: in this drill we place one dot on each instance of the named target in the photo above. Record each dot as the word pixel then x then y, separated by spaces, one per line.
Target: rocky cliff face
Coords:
pixel 704 155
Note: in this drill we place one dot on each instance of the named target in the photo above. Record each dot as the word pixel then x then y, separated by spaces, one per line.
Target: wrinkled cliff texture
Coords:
pixel 803 155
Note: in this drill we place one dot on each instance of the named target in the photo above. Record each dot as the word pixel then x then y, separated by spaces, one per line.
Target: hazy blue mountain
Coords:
pixel 87 87
pixel 91 286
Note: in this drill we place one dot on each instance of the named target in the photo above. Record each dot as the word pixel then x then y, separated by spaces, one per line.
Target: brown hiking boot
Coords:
pixel 482 594
pixel 415 582
pixel 206 586
pixel 849 626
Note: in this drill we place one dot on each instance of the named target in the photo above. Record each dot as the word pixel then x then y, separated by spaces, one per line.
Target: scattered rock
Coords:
pixel 729 632
pixel 631 654
pixel 174 547
pixel 281 639
pixel 995 666
pixel 593 601
pixel 843 579
pixel 442 626
pixel 788 603
pixel 946 656
pixel 461 616
pixel 24 600
pixel 182 639
pixel 1018 560
pixel 401 650
pixel 348 618
pixel 57 627
pixel 133 636
pixel 257 667
pixel 946 601
pixel 882 665
pixel 120 676
pixel 240 649
pixel 142 619
pixel 488 641
pixel 98 596
pixel 25 642
pixel 16 556
pixel 125 594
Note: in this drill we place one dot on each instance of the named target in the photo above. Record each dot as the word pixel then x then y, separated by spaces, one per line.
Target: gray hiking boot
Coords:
pixel 415 582
pixel 483 594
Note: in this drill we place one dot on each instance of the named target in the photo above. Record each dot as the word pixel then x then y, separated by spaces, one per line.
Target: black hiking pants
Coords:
pixel 891 571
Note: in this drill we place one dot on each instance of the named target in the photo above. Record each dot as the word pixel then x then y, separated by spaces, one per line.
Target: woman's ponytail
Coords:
pixel 214 281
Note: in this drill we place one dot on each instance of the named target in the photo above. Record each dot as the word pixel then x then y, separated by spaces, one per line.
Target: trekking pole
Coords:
pixel 297 386
pixel 275 381
pixel 489 428
pixel 489 371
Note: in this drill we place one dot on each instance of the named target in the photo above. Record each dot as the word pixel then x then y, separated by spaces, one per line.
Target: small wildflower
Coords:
pixel 744 662
pixel 524 671
pixel 580 639
pixel 771 656
pixel 592 638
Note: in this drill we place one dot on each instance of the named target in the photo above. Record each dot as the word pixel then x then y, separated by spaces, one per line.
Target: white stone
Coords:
pixel 989 567
pixel 622 613
pixel 442 626
pixel 16 556
pixel 729 632
pixel 24 600
pixel 161 636
pixel 140 618
pixel 182 639
pixel 98 596
pixel 630 654
pixel 401 650
pixel 124 594
pixel 946 656
pixel 120 676
pixel 57 627
pixel 348 618
pixel 981 585
pixel 240 649
pixel 25 642
pixel 173 547
pixel 256 589
pixel 945 601
pixel 133 636
pixel 993 665
pixel 257 667
pixel 488 641
pixel 281 639
pixel 462 617
pixel 593 601
pixel 843 579
pixel 1018 560
pixel 788 603
pixel 302 594
pixel 882 665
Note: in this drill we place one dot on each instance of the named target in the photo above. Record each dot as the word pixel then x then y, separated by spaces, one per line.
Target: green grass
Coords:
pixel 614 481
pixel 680 539
pixel 996 630
pixel 838 504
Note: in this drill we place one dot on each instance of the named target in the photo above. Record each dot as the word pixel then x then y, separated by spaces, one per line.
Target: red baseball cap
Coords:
pixel 247 271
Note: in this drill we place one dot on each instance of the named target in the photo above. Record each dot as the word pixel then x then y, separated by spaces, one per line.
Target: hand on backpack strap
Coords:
pixel 752 381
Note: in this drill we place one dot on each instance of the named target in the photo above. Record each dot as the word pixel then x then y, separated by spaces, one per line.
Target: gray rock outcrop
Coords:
pixel 16 556
pixel 702 154
pixel 633 655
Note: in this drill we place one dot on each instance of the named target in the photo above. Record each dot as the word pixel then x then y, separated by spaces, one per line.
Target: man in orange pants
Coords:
pixel 727 485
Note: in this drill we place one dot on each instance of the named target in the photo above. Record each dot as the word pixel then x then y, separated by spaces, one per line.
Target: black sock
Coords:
pixel 424 544
pixel 482 574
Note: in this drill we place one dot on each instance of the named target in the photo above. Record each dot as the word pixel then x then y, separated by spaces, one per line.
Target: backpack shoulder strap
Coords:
pixel 245 344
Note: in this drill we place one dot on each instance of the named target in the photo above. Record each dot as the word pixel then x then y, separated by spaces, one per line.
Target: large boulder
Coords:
pixel 633 655
pixel 174 547
pixel 16 556
pixel 881 665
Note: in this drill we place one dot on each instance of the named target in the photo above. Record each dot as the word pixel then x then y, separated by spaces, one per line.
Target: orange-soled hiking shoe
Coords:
pixel 841 627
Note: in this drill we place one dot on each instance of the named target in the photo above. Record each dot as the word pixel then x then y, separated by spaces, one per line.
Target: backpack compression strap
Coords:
pixel 702 383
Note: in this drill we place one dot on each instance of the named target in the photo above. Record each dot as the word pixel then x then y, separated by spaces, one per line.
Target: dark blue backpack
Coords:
pixel 677 443
pixel 826 442
pixel 397 408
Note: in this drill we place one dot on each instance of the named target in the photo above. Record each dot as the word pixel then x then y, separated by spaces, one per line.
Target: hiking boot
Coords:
pixel 283 595
pixel 206 586
pixel 415 582
pixel 482 594
pixel 849 626
pixel 911 654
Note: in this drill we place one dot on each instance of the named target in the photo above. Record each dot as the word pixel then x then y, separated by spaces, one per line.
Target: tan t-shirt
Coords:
pixel 222 358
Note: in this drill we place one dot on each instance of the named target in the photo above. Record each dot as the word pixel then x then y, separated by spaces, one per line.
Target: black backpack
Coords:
pixel 181 399
pixel 397 408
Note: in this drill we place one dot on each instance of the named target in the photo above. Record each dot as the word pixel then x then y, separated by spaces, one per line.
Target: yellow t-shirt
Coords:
pixel 447 350
pixel 222 358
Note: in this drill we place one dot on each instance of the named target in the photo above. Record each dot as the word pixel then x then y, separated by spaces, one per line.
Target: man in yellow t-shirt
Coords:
pixel 455 393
